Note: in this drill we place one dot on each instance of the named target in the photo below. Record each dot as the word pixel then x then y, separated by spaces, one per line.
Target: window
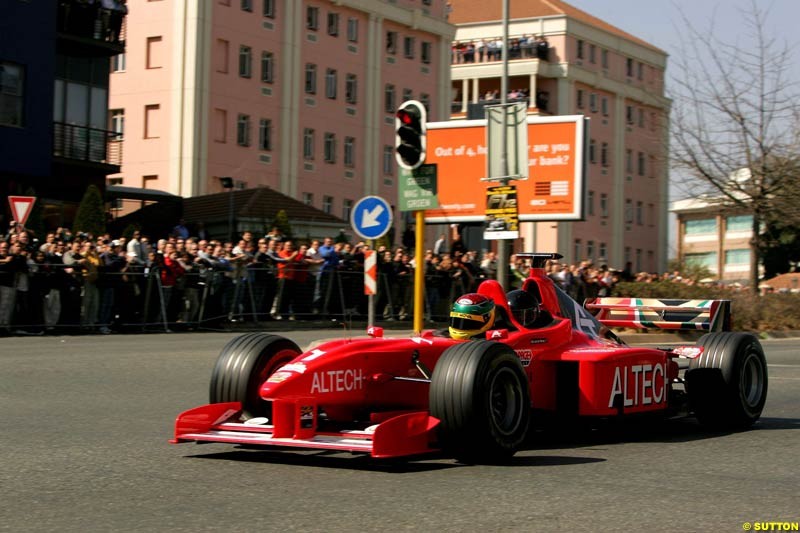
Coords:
pixel 151 121
pixel 707 259
pixel 604 106
pixel 391 42
pixel 640 163
pixel 590 203
pixel 265 134
pixel 592 53
pixel 592 150
pixel 639 213
pixel 349 152
pixel 327 204
pixel 247 5
pixel 425 100
pixel 640 71
pixel 330 83
pixel 116 203
pixel 308 144
pixel 577 249
pixel 579 49
pixel 641 117
pixel 389 98
pixel 638 263
pixel 117 123
pixel 651 214
pixel 629 67
pixel 737 257
pixel 308 198
pixel 604 154
pixel 604 58
pixel 351 89
pixel 739 223
pixel 590 250
pixel 243 130
pixel 593 103
pixel 220 125
pixel 628 160
pixel 603 250
pixel 245 61
pixel 269 8
pixel 579 99
pixel 347 208
pixel 388 157
pixel 408 47
pixel 629 114
pixel 426 52
pixel 118 63
pixel 703 226
pixel 267 67
pixel 11 93
pixel 312 18
pixel 221 56
pixel 408 94
pixel 311 78
pixel 154 53
pixel 333 24
pixel 603 205
pixel 330 147
pixel 352 30
pixel 628 211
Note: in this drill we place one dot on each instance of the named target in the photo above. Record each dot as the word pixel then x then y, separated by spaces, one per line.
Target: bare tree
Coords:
pixel 736 123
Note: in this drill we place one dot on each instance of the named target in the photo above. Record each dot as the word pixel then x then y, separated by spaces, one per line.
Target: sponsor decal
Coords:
pixel 538 341
pixel 337 381
pixel 313 355
pixel 639 384
pixel 279 376
pixel 420 340
pixel 293 367
pixel 525 356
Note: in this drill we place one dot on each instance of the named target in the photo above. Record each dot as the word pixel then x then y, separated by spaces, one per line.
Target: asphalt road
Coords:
pixel 83 447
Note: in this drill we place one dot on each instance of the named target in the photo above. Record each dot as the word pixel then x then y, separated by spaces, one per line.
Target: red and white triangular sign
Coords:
pixel 21 207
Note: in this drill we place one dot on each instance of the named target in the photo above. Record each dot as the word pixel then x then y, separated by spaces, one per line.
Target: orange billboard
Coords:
pixel 556 184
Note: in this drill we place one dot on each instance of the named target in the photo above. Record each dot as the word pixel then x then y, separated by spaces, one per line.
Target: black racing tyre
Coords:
pixel 480 394
pixel 244 365
pixel 727 384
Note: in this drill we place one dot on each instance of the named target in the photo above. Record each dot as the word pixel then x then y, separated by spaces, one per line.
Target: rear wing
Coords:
pixel 677 315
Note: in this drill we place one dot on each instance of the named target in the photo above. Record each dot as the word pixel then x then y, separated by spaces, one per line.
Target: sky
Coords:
pixel 660 22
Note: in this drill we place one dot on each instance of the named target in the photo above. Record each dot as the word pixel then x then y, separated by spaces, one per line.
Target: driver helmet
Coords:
pixel 472 314
pixel 524 306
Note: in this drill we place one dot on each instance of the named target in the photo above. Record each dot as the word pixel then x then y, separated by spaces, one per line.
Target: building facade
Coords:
pixel 591 68
pixel 54 76
pixel 298 96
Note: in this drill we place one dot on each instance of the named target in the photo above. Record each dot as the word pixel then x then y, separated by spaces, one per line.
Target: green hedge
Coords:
pixel 770 312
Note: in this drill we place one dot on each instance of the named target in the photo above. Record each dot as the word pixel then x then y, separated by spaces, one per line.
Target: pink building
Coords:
pixel 295 95
pixel 592 68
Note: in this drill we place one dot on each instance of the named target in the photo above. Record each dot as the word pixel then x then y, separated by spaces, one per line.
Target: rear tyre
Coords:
pixel 244 365
pixel 479 392
pixel 727 384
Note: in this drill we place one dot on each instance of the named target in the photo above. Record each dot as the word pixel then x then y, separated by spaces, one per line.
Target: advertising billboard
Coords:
pixel 556 184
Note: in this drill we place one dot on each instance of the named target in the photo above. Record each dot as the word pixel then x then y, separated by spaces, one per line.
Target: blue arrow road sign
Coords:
pixel 371 217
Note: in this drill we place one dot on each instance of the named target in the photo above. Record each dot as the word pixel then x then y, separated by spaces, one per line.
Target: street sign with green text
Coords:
pixel 417 190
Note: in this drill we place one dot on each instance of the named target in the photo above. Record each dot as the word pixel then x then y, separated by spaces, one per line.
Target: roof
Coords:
pixel 137 193
pixel 788 281
pixel 472 11
pixel 261 202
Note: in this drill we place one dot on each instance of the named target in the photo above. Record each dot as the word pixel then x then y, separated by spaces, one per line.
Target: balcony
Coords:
pixel 90 28
pixel 100 148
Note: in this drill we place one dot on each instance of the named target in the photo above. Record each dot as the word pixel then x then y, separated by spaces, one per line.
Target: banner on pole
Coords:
pixel 370 272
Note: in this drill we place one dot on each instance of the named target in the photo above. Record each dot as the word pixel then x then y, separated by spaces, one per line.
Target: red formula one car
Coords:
pixel 391 397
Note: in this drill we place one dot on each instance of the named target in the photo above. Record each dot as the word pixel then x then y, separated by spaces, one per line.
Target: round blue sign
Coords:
pixel 371 217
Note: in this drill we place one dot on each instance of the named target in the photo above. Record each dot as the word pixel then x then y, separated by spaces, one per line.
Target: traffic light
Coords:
pixel 410 129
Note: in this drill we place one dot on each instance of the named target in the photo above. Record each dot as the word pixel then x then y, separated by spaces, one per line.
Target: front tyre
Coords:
pixel 479 392
pixel 244 365
pixel 727 384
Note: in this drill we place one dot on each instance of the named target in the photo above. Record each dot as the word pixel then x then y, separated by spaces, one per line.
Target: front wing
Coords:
pixel 294 425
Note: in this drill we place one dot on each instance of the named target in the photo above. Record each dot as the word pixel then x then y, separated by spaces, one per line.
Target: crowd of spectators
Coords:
pixel 85 283
pixel 487 50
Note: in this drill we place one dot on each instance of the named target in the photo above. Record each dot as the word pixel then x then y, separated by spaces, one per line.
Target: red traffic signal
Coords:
pixel 410 131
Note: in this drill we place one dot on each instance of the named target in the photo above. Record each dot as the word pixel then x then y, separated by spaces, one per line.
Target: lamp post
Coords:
pixel 227 183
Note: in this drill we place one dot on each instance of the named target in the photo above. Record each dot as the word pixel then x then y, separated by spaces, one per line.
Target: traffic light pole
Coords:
pixel 502 245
